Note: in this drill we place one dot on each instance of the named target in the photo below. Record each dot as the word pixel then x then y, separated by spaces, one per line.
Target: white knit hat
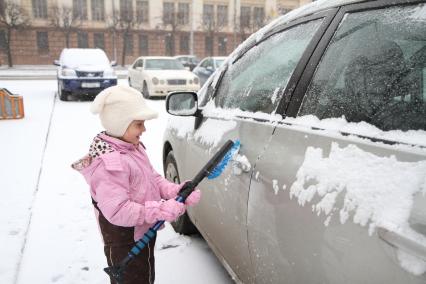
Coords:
pixel 118 106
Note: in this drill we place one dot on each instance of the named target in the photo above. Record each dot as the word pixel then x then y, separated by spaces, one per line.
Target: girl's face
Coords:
pixel 134 132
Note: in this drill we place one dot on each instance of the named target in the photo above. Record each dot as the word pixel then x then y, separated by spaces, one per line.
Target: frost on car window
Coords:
pixel 374 70
pixel 251 83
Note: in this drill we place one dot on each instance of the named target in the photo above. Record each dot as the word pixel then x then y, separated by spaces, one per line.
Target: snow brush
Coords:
pixel 211 170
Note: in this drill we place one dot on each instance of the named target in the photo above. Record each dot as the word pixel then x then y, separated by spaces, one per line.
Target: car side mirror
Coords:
pixel 139 68
pixel 56 62
pixel 187 68
pixel 182 103
pixel 113 63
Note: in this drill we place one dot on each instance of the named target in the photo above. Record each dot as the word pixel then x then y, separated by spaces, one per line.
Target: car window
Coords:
pixel 374 70
pixel 138 63
pixel 163 64
pixel 256 81
pixel 205 63
pixel 219 62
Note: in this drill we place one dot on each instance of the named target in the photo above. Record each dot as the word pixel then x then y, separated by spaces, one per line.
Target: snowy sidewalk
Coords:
pixel 49 232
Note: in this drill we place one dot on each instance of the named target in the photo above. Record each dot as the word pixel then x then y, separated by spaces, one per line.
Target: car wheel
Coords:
pixel 130 82
pixel 63 95
pixel 183 225
pixel 145 91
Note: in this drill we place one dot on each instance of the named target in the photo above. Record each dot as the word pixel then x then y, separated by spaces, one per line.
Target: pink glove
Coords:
pixel 168 210
pixel 193 198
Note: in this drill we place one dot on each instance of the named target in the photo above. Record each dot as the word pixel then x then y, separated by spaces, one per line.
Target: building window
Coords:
pixel 168 13
pixel 39 9
pixel 245 17
pixel 143 45
pixel 79 9
pixel 222 15
pixel 42 42
pixel 142 11
pixel 184 44
pixel 208 14
pixel 82 40
pixel 169 45
pixel 98 10
pixel 222 45
pixel 129 43
pixel 99 40
pixel 183 13
pixel 126 10
pixel 3 41
pixel 208 45
pixel 258 16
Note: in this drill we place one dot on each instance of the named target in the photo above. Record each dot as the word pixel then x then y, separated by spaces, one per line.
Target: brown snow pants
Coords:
pixel 118 242
pixel 141 270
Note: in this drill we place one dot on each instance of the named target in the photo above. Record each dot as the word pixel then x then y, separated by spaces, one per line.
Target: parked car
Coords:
pixel 328 186
pixel 84 71
pixel 160 75
pixel 207 66
pixel 189 61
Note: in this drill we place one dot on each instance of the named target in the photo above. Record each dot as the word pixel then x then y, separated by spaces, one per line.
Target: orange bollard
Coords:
pixel 11 106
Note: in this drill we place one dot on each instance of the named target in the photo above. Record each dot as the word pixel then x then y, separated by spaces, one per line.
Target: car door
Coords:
pixel 136 73
pixel 242 108
pixel 337 195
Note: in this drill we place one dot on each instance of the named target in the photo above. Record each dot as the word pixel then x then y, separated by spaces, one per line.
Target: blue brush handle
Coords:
pixel 148 236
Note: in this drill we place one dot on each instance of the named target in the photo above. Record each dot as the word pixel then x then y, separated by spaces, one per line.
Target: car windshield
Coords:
pixel 74 58
pixel 163 64
pixel 219 62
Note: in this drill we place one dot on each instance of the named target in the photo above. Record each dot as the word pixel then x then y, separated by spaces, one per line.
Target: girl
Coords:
pixel 128 195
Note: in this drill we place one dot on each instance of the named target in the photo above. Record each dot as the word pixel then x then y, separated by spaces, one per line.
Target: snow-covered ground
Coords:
pixel 49 233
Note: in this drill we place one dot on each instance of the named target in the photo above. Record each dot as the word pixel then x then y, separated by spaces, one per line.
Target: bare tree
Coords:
pixel 63 19
pixel 173 20
pixel 12 17
pixel 121 24
pixel 211 27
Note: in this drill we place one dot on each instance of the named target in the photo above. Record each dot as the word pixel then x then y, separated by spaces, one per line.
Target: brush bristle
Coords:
pixel 225 160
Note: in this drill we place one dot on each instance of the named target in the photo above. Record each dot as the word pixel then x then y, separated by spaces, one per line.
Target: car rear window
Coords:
pixel 374 70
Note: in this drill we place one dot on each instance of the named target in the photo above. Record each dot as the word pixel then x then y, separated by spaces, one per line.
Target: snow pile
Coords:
pixel 414 137
pixel 377 191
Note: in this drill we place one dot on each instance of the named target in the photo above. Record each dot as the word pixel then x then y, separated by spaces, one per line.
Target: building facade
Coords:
pixel 126 29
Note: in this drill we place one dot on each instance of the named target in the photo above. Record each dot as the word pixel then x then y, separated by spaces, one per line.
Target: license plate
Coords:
pixel 90 85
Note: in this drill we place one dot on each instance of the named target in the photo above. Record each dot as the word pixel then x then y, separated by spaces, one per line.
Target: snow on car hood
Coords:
pixel 92 68
pixel 170 74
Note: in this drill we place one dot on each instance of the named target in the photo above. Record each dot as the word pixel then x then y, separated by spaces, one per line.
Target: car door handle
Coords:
pixel 400 241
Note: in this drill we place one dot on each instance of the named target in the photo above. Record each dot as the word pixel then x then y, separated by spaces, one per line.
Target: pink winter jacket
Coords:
pixel 121 180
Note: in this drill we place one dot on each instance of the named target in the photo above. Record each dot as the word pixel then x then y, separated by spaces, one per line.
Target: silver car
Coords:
pixel 329 184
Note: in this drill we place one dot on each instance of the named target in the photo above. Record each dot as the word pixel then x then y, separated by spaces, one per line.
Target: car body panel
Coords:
pixel 289 239
pixel 168 80
pixel 330 253
pixel 84 77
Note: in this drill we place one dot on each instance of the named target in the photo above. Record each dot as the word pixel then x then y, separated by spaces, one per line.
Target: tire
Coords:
pixel 145 91
pixel 130 83
pixel 63 95
pixel 183 225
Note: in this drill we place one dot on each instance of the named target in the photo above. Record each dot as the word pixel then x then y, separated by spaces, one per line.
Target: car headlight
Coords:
pixel 68 72
pixel 196 80
pixel 155 81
